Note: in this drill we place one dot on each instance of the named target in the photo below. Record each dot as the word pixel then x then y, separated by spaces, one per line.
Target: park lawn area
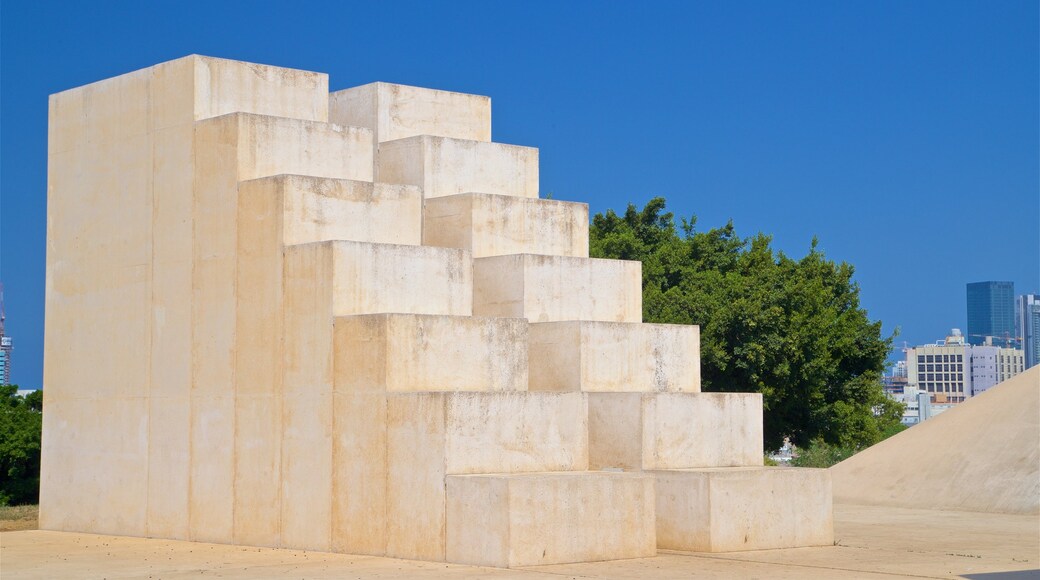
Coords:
pixel 19 517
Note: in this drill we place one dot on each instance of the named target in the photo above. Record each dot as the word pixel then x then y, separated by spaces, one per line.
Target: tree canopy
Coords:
pixel 21 424
pixel 790 329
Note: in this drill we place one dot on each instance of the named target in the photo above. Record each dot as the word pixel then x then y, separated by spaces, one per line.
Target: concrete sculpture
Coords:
pixel 346 322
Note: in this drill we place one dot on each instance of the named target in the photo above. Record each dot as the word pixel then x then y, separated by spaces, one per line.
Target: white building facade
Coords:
pixel 952 370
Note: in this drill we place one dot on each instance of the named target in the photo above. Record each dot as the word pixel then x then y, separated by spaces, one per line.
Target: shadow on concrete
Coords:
pixel 1020 575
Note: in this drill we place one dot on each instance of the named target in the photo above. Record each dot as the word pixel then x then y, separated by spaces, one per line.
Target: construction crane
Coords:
pixel 1007 338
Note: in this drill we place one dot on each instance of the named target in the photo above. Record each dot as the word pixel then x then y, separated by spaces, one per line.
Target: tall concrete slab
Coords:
pixel 122 159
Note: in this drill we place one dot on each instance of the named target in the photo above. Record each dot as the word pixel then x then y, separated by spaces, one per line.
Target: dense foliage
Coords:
pixel 792 330
pixel 21 424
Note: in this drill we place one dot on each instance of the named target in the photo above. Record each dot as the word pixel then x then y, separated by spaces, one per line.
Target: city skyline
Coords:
pixel 888 131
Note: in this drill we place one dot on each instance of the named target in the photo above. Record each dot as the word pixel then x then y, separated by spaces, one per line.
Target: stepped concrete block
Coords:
pixel 443 166
pixel 554 288
pixel 399 111
pixel 674 430
pixel 318 209
pixel 614 357
pixel 388 278
pixel 512 520
pixel 495 225
pixel 243 146
pixel 433 435
pixel 409 352
pixel 743 508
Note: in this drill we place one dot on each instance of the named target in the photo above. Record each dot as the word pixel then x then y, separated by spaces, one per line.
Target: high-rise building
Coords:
pixel 1027 327
pixel 6 345
pixel 991 312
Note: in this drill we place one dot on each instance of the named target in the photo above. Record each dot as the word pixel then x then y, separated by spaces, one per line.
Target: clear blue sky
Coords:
pixel 903 134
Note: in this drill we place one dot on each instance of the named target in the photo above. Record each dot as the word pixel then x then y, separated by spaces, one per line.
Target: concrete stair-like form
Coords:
pixel 346 322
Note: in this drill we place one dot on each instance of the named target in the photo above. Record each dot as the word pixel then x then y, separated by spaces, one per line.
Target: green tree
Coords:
pixel 792 330
pixel 21 425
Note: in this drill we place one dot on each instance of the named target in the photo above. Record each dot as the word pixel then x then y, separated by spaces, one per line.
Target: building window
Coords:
pixel 920 359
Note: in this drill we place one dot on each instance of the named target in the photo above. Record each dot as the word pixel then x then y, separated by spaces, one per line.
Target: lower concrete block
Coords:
pixel 432 435
pixel 674 430
pixel 512 520
pixel 744 508
pixel 615 357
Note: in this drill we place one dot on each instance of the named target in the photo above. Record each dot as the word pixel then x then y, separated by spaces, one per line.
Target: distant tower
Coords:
pixel 6 345
pixel 991 311
pixel 1027 314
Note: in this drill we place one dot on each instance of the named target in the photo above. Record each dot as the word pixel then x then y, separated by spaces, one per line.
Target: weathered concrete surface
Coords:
pixel 982 455
pixel 870 543
pixel 307 209
pixel 363 278
pixel 432 435
pixel 511 520
pixel 395 111
pixel 407 352
pixel 443 166
pixel 615 357
pixel 743 508
pixel 208 225
pixel 391 452
pixel 674 430
pixel 496 225
pixel 554 288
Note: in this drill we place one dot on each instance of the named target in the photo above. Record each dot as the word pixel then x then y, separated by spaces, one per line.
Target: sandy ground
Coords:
pixel 872 542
